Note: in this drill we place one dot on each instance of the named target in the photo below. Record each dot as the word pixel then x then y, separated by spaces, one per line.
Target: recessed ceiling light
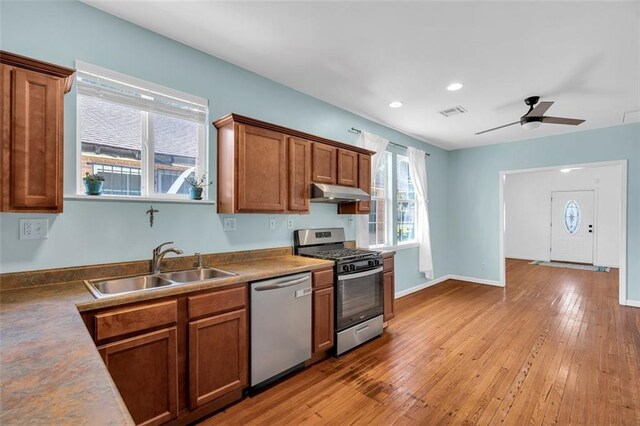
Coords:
pixel 454 86
pixel 395 104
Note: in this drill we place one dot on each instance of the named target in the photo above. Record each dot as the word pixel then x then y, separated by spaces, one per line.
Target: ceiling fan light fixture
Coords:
pixel 530 125
pixel 454 86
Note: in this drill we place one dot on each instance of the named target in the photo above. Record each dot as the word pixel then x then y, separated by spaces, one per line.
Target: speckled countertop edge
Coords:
pixel 50 369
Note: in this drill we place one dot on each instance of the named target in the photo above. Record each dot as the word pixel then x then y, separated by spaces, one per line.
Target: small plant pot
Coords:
pixel 93 188
pixel 195 193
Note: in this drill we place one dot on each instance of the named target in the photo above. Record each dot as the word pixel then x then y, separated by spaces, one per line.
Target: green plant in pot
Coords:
pixel 93 184
pixel 197 186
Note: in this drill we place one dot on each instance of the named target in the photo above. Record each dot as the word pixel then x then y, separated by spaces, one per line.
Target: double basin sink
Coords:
pixel 116 286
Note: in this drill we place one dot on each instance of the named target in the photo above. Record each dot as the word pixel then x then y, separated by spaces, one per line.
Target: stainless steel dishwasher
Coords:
pixel 280 327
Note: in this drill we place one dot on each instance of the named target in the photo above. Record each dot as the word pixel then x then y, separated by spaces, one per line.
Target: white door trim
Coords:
pixel 622 291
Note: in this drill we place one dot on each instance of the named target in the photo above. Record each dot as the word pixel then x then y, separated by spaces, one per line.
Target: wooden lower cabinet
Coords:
pixel 145 371
pixel 323 314
pixel 389 286
pixel 218 356
pixel 176 359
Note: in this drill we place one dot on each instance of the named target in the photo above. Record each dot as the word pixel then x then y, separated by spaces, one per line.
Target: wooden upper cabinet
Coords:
pixel 252 169
pixel 32 96
pixel 299 174
pixel 266 168
pixel 364 183
pixel 347 168
pixel 324 168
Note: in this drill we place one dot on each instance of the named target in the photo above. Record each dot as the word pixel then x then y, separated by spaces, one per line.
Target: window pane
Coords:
pixel 405 209
pixel 111 144
pixel 380 204
pixel 406 221
pixel 175 143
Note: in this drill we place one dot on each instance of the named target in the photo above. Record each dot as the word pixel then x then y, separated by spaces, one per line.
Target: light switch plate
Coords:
pixel 229 224
pixel 34 229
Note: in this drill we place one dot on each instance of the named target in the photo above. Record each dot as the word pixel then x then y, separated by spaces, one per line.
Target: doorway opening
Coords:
pixel 571 213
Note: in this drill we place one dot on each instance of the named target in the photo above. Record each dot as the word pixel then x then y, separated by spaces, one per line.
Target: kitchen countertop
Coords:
pixel 50 370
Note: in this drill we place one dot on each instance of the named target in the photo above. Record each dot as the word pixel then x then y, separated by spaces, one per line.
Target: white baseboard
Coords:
pixel 421 286
pixel 634 303
pixel 443 279
pixel 476 280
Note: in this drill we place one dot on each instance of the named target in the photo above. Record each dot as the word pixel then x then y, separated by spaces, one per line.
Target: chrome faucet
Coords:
pixel 198 257
pixel 158 255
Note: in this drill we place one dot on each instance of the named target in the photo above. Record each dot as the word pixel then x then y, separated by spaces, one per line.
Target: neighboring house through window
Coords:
pixel 144 139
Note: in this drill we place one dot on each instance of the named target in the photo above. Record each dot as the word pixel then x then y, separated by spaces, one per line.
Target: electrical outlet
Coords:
pixel 290 223
pixel 34 229
pixel 229 224
pixel 272 224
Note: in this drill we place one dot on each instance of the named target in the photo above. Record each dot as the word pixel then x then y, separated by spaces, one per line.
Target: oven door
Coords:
pixel 359 298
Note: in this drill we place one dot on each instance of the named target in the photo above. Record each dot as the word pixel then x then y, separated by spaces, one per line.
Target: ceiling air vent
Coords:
pixel 453 111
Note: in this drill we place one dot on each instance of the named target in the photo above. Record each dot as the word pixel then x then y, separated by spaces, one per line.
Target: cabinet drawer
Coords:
pixel 322 279
pixel 388 263
pixel 217 302
pixel 135 319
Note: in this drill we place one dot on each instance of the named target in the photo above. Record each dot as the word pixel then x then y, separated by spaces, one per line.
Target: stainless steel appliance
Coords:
pixel 280 327
pixel 359 284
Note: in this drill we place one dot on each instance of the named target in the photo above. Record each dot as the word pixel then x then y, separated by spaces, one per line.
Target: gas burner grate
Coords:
pixel 342 254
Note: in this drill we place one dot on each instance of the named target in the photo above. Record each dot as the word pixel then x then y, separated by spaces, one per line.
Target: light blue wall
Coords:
pixel 473 186
pixel 96 232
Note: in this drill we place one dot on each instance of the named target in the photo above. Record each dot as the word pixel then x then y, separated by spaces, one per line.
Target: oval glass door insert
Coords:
pixel 571 217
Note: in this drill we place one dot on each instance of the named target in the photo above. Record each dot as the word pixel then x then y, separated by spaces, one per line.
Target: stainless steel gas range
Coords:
pixel 358 280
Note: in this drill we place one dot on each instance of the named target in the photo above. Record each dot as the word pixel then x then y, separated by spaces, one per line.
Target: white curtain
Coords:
pixel 379 145
pixel 418 171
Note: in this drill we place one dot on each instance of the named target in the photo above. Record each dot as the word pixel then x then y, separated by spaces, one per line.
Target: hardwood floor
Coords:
pixel 553 347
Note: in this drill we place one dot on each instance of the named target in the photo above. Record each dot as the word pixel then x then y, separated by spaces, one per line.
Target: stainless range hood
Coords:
pixel 336 194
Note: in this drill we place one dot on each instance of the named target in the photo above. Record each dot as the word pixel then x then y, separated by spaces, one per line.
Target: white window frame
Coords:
pixel 388 213
pixel 391 193
pixel 147 189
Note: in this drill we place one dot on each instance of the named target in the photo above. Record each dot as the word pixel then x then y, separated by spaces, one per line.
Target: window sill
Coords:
pixel 118 198
pixel 396 247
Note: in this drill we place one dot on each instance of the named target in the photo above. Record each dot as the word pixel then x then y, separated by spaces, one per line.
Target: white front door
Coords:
pixel 572 226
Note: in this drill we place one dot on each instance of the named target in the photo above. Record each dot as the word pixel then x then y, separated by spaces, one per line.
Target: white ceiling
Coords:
pixel 361 55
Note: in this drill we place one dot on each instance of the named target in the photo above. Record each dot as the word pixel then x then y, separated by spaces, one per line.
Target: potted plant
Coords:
pixel 197 186
pixel 93 184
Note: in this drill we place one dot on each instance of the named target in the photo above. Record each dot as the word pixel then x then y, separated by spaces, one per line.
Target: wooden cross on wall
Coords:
pixel 150 212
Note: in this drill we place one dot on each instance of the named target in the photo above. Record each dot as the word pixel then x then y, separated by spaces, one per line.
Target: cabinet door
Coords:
pixel 324 167
pixel 145 371
pixel 389 295
pixel 364 181
pixel 218 356
pixel 262 170
pixel 32 152
pixel 347 168
pixel 322 319
pixel 299 174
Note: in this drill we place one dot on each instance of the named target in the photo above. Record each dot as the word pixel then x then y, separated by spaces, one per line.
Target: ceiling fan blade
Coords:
pixel 562 120
pixel 496 128
pixel 540 109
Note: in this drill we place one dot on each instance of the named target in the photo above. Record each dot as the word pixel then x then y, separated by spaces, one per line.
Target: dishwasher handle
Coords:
pixel 281 284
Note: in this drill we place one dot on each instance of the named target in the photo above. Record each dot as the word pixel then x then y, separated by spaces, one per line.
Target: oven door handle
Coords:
pixel 359 274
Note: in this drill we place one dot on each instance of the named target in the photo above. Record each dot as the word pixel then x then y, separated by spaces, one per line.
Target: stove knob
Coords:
pixel 345 268
pixel 377 262
pixel 352 267
pixel 371 263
